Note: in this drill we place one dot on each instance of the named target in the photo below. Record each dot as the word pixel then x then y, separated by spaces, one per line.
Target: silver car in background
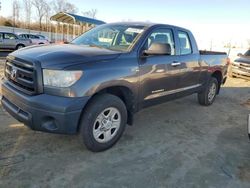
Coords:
pixel 12 41
pixel 35 39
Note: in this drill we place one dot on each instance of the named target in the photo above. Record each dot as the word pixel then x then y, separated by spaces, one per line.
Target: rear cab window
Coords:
pixel 185 44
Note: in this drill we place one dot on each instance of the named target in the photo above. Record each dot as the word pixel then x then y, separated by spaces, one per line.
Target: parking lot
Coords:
pixel 176 144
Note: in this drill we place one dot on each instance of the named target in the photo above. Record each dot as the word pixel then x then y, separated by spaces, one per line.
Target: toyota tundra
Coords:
pixel 94 85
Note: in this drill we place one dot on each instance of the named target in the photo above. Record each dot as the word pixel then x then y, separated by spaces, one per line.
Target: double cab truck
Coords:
pixel 94 85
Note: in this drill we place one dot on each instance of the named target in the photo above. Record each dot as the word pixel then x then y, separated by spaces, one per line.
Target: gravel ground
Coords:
pixel 177 144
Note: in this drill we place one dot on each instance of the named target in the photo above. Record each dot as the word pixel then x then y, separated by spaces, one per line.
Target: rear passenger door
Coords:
pixel 35 39
pixel 189 66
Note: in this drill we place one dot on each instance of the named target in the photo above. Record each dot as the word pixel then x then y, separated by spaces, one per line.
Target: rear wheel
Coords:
pixel 19 46
pixel 103 122
pixel 208 95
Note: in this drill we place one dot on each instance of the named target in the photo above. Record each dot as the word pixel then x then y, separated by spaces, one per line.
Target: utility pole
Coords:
pixel 211 45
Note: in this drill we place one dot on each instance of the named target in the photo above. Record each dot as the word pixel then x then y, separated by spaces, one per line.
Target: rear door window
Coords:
pixel 21 36
pixel 185 45
pixel 33 37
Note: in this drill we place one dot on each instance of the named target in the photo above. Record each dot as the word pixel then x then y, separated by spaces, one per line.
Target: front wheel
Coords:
pixel 208 95
pixel 103 122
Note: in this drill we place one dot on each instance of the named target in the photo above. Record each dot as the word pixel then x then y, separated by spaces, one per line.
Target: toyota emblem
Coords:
pixel 13 73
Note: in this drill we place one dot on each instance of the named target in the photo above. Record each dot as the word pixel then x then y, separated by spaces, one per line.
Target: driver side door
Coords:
pixel 158 73
pixel 10 40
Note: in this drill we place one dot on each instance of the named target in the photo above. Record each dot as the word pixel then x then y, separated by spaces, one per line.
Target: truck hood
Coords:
pixel 243 59
pixel 64 55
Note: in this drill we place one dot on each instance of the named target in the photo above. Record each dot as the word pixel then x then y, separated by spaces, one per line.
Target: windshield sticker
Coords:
pixel 134 30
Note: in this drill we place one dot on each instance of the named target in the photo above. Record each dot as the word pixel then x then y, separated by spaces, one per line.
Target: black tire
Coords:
pixel 19 46
pixel 203 97
pixel 89 121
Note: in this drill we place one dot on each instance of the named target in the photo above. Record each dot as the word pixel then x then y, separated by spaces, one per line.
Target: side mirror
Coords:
pixel 239 54
pixel 158 49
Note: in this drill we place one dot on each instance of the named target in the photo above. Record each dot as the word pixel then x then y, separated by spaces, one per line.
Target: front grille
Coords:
pixel 22 75
pixel 243 67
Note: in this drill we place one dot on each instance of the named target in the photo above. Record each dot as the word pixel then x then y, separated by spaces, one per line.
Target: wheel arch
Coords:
pixel 20 44
pixel 218 75
pixel 122 92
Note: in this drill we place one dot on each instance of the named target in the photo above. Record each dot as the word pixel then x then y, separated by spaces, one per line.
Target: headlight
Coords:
pixel 60 78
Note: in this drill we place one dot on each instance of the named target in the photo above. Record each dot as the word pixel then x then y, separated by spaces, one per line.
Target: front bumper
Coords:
pixel 43 112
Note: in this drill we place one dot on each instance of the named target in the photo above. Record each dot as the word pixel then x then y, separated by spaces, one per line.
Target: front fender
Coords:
pixel 108 74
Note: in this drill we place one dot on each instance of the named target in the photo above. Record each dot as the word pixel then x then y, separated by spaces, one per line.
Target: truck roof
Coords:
pixel 147 24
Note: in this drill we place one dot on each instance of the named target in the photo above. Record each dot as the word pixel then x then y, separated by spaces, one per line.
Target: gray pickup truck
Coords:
pixel 241 66
pixel 12 41
pixel 95 84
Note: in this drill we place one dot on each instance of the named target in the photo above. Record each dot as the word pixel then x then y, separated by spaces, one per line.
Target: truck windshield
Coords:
pixel 112 37
pixel 247 53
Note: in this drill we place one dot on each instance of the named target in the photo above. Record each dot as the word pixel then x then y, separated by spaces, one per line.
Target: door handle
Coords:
pixel 175 64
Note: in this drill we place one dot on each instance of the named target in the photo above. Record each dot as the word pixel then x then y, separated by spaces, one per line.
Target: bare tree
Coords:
pixel 91 13
pixel 27 9
pixel 70 8
pixel 47 16
pixel 64 6
pixel 41 8
pixel 15 12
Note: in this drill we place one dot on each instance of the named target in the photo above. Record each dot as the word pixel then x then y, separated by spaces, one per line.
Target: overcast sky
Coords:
pixel 217 20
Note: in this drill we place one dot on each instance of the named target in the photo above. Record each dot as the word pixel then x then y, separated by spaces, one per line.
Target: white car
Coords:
pixel 34 38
